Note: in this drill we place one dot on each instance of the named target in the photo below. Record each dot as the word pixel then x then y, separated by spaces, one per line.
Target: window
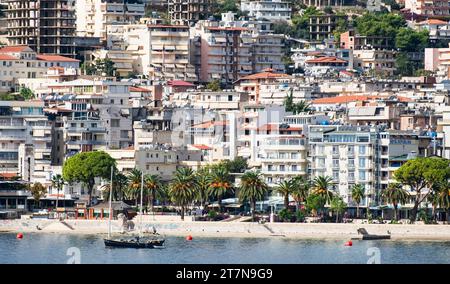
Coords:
pixel 351 149
pixel 362 150
pixel 362 175
pixel 351 175
pixel 362 162
pixel 335 175
pixel 335 150
pixel 115 122
pixel 321 162
pixel 282 168
pixel 335 162
pixel 270 168
pixel 294 168
pixel 294 155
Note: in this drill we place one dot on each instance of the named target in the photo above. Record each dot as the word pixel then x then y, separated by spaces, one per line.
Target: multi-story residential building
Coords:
pixel 387 113
pixel 428 8
pixel 437 29
pixel 229 51
pixel 257 84
pixel 186 12
pixel 349 155
pixel 89 115
pixel 267 9
pixel 159 51
pixel 325 65
pixel 374 60
pixel 215 101
pixel 18 62
pixel 322 26
pixel 328 3
pixel 94 16
pixel 26 136
pixel 283 157
pixel 438 60
pixel 123 60
pixel 351 40
pixel 47 26
pixel 444 125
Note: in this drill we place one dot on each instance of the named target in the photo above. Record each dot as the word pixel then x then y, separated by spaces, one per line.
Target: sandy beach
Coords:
pixel 235 229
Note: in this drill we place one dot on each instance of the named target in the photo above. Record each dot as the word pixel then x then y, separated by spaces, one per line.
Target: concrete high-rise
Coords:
pixel 47 26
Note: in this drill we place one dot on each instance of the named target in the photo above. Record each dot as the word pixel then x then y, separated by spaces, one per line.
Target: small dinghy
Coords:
pixel 134 243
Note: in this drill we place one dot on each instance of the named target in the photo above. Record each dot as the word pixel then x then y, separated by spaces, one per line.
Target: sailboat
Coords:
pixel 135 242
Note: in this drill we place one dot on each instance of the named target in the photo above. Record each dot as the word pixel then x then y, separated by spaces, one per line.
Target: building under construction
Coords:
pixel 47 26
pixel 186 12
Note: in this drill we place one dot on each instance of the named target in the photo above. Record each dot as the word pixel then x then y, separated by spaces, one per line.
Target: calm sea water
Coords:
pixel 53 248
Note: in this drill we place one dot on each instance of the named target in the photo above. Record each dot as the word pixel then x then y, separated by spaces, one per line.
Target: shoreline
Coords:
pixel 304 231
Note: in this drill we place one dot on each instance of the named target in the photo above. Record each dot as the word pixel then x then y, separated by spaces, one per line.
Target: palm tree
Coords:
pixel 58 183
pixel 320 187
pixel 252 188
pixel 220 184
pixel 443 197
pixel 357 195
pixel 134 184
pixel 395 194
pixel 182 188
pixel 302 106
pixel 152 184
pixel 203 185
pixel 120 182
pixel 337 205
pixel 285 188
pixel 300 190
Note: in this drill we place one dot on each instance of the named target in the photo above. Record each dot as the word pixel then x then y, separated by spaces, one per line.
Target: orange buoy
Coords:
pixel 20 236
pixel 189 238
pixel 348 244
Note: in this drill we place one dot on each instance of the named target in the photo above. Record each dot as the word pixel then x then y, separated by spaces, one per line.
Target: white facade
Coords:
pixel 267 9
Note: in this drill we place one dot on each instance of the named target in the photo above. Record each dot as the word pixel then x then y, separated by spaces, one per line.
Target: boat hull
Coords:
pixel 130 244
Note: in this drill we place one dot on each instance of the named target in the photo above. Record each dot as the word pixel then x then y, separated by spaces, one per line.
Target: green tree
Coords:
pixel 300 190
pixel 395 194
pixel 203 184
pixel 100 67
pixel 238 165
pixel 338 206
pixel 220 184
pixel 358 191
pixel 38 191
pixel 153 186
pixel 214 86
pixel 252 188
pixel 410 40
pixel 314 203
pixel 86 166
pixel 420 174
pixel 321 185
pixel 58 183
pixel 134 184
pixel 182 188
pixel 301 107
pixel 120 183
pixel 26 94
pixel 285 188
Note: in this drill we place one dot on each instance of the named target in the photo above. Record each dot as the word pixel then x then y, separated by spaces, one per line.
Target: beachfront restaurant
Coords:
pixel 13 202
pixel 101 210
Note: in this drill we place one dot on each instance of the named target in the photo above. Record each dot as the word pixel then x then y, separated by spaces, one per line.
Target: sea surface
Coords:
pixel 86 249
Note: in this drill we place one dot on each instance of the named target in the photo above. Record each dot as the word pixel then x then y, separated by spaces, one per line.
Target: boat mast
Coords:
pixel 110 202
pixel 142 196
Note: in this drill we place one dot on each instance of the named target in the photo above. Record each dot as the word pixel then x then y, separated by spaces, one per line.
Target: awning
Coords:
pixel 181 66
pixel 169 47
pixel 169 65
pixel 133 47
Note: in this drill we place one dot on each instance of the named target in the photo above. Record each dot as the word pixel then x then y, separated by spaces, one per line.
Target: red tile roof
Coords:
pixel 354 98
pixel 201 146
pixel 13 48
pixel 7 57
pixel 179 83
pixel 209 124
pixel 8 175
pixel 139 89
pixel 327 59
pixel 59 58
pixel 226 29
pixel 433 22
pixel 265 75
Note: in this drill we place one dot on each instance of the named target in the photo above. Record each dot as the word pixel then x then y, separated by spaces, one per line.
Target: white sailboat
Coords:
pixel 137 242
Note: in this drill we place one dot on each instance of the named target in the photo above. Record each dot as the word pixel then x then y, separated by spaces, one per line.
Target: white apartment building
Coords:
pixel 94 16
pixel 347 154
pixel 376 60
pixel 90 115
pixel 17 62
pixel 160 52
pixel 283 157
pixel 267 9
pixel 25 140
pixel 444 123
pixel 219 100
